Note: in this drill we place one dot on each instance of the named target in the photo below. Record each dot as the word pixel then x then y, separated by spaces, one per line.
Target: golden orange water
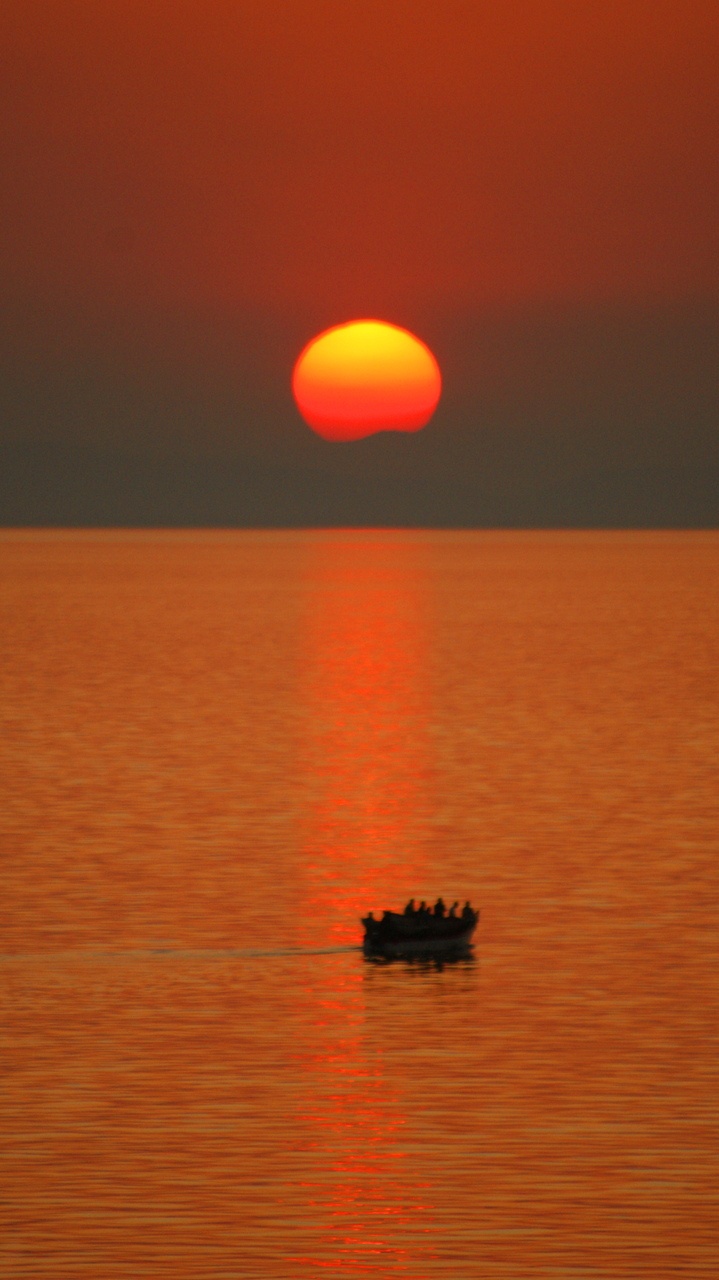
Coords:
pixel 218 749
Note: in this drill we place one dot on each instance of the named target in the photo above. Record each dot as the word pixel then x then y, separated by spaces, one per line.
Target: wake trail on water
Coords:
pixel 181 953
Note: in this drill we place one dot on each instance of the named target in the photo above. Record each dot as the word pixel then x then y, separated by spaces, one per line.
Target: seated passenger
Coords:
pixel 453 911
pixel 439 908
pixel 409 909
pixel 423 910
pixel 467 912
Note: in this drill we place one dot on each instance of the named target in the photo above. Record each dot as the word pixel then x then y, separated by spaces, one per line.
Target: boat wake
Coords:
pixel 94 956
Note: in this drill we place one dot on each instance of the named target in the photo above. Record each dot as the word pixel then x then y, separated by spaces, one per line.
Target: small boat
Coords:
pixel 418 933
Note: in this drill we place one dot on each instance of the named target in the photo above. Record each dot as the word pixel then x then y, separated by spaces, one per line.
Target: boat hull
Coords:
pixel 419 946
pixel 399 935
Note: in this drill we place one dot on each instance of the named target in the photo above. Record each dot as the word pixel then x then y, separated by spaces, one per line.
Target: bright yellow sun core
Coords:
pixel 363 377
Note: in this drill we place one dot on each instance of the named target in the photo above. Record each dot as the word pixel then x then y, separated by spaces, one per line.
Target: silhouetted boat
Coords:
pixel 397 934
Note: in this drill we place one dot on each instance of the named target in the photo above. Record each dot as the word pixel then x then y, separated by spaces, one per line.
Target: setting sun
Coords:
pixel 366 376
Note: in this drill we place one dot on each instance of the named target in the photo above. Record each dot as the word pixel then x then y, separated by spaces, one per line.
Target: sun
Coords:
pixel 363 377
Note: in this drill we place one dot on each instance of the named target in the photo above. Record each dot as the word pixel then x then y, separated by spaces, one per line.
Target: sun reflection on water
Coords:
pixel 370 770
pixel 368 750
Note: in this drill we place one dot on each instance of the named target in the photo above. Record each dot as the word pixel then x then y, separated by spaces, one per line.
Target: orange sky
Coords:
pixel 192 189
pixel 359 158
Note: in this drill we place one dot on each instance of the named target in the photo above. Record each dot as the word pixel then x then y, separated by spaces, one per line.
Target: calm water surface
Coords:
pixel 218 750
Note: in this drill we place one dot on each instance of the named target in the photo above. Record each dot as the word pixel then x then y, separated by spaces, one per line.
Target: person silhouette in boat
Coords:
pixel 410 909
pixel 453 911
pixel 440 910
pixel 423 912
pixel 467 912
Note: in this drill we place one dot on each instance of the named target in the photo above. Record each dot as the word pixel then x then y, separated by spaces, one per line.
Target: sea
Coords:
pixel 221 748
